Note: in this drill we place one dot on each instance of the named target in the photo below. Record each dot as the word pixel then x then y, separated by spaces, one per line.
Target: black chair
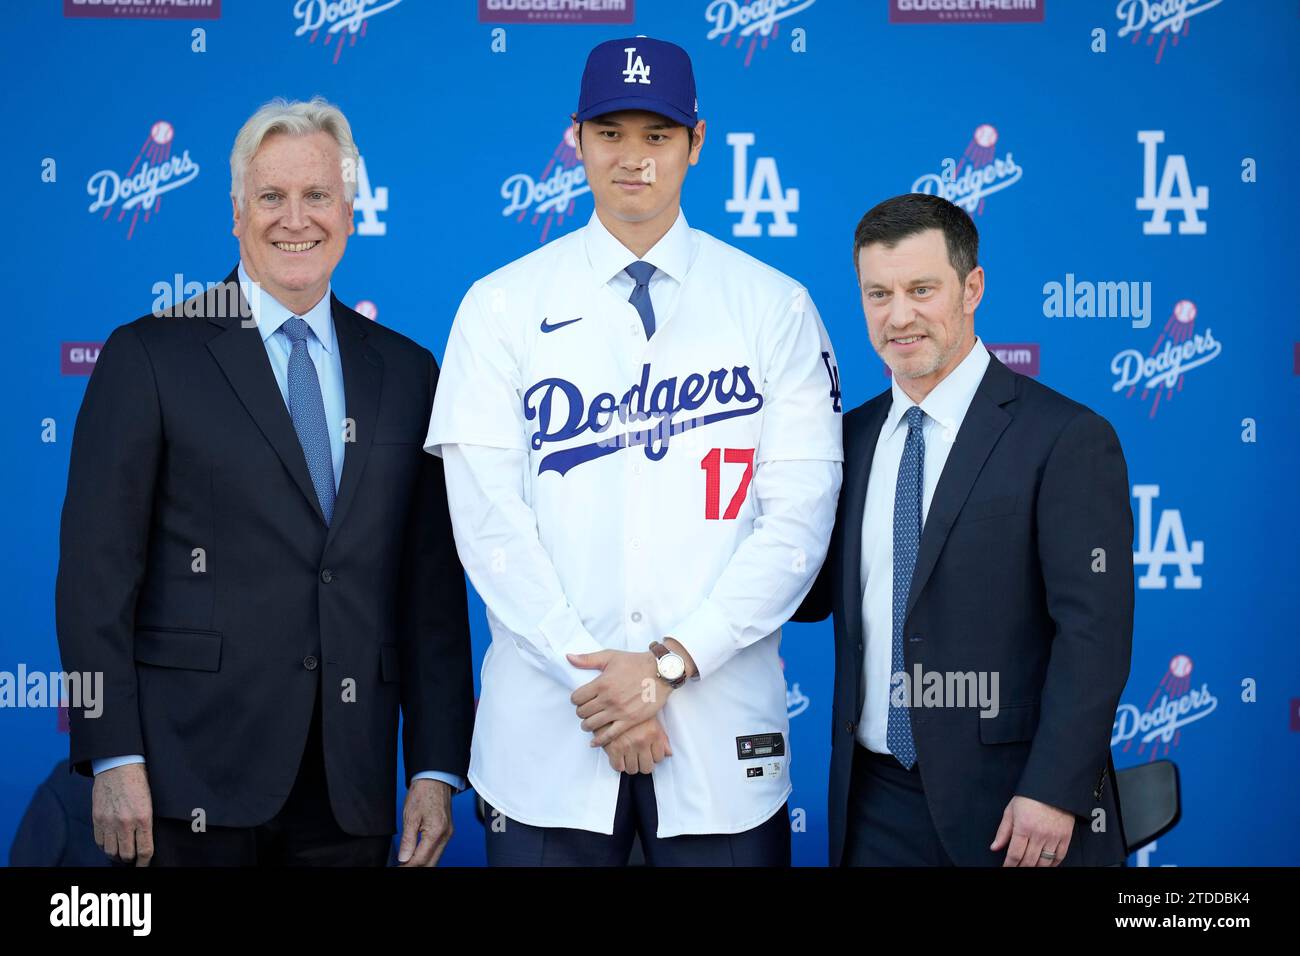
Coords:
pixel 1150 801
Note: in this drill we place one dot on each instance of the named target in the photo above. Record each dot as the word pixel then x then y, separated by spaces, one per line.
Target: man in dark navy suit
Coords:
pixel 256 552
pixel 981 579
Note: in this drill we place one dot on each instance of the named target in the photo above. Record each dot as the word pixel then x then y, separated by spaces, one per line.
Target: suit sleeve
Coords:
pixel 437 662
pixel 1083 505
pixel 103 541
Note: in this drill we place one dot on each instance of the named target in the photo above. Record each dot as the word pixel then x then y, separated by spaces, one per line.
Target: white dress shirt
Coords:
pixel 945 409
pixel 585 529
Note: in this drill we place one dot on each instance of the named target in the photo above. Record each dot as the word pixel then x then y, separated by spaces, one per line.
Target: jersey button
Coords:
pixel 635 544
pixel 636 617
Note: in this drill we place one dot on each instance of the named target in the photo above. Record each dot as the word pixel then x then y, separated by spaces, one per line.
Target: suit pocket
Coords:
pixel 178 647
pixel 389 662
pixel 1014 722
pixel 988 508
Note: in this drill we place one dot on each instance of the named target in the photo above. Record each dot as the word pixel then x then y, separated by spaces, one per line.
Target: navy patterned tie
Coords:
pixel 307 408
pixel 641 273
pixel 907 540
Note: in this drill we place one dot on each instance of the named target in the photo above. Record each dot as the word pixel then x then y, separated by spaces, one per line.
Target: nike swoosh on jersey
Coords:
pixel 547 326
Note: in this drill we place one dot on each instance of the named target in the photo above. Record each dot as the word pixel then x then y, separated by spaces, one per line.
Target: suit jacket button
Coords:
pixel 848 726
pixel 327 575
pixel 310 662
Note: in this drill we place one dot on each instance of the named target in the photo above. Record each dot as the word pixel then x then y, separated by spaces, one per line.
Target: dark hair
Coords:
pixel 904 216
pixel 690 135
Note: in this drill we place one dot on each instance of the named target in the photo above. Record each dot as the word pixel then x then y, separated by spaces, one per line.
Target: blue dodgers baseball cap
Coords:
pixel 639 73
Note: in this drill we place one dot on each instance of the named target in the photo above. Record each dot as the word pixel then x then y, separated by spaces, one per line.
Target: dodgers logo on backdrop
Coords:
pixel 552 193
pixel 153 172
pixel 1167 19
pixel 336 16
pixel 736 20
pixel 1178 349
pixel 979 173
pixel 1173 705
pixel 1168 547
pixel 761 194
pixel 1175 192
pixel 562 413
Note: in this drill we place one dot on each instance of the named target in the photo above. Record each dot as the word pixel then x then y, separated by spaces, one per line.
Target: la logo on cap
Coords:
pixel 636 71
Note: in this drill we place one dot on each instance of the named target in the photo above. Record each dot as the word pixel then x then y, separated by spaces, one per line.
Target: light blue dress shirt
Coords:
pixel 322 347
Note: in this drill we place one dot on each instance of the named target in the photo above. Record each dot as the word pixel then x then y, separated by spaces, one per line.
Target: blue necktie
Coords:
pixel 307 409
pixel 641 273
pixel 907 540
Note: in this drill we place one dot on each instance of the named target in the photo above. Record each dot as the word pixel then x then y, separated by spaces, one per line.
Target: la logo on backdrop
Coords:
pixel 1164 19
pixel 1173 705
pixel 139 190
pixel 337 20
pixel 976 175
pixel 745 27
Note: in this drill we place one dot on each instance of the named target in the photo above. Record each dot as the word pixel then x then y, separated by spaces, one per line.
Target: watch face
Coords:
pixel 671 667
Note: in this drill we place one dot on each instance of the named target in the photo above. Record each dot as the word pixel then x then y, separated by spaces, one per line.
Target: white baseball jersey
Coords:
pixel 609 490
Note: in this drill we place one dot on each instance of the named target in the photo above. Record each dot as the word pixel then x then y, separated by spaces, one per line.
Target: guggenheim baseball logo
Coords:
pixel 550 196
pixel 978 174
pixel 153 173
pixel 966 11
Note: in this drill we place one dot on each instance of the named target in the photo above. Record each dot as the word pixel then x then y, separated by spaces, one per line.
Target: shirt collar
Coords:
pixel 671 255
pixel 948 401
pixel 274 314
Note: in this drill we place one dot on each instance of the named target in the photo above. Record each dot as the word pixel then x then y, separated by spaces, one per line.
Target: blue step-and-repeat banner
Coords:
pixel 1129 164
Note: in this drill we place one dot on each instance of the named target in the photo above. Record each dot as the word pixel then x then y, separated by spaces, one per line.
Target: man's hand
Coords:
pixel 121 810
pixel 638 750
pixel 627 692
pixel 1029 829
pixel 426 815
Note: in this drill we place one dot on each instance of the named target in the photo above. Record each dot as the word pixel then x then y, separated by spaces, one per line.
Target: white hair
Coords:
pixel 296 118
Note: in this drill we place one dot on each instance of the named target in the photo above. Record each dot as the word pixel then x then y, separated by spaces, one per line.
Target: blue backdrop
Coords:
pixel 1134 153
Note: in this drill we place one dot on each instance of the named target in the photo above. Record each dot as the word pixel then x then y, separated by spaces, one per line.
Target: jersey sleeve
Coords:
pixel 478 395
pixel 801 389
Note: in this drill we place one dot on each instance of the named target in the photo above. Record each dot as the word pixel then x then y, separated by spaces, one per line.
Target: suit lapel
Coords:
pixel 363 374
pixel 984 423
pixel 860 448
pixel 240 352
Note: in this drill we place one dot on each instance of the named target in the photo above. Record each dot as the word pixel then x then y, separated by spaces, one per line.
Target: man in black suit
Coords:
pixel 257 555
pixel 981 579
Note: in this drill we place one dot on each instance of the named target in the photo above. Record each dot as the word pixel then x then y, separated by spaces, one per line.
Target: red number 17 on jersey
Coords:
pixel 712 465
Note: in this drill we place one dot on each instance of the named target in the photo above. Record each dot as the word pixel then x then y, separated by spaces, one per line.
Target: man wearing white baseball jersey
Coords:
pixel 641 432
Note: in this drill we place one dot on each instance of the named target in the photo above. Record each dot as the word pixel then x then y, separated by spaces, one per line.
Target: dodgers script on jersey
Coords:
pixel 651 497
